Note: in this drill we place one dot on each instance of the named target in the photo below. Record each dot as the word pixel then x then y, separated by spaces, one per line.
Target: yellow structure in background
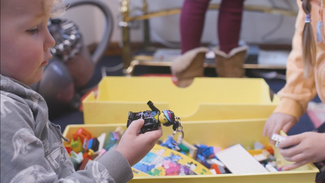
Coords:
pixel 205 99
pixel 222 134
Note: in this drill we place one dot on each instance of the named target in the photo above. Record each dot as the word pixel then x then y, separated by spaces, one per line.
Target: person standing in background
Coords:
pixel 229 56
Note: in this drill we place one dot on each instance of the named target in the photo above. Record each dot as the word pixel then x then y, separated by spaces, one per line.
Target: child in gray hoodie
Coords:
pixel 31 146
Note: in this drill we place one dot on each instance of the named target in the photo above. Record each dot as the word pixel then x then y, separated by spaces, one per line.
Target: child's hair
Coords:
pixel 308 42
pixel 54 7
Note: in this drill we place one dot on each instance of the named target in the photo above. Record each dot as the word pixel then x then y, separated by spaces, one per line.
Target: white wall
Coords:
pixel 254 26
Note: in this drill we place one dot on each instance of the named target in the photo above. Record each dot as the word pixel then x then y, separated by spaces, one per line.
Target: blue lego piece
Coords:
pixel 202 160
pixel 149 158
pixel 175 158
pixel 200 148
pixel 110 141
pixel 207 152
pixel 169 143
pixel 143 167
pixel 90 143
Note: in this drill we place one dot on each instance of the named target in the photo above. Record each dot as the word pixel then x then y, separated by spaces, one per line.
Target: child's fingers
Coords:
pixel 292 155
pixel 155 135
pixel 295 165
pixel 135 126
pixel 275 130
pixel 290 141
pixel 286 128
pixel 266 129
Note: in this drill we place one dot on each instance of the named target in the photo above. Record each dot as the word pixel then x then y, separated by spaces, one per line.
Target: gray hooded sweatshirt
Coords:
pixel 32 148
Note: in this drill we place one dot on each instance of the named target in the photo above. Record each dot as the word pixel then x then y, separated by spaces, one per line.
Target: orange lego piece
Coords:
pixel 254 152
pixel 83 134
pixel 270 149
pixel 216 168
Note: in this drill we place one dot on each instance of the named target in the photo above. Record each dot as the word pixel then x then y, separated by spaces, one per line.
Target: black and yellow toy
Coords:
pixel 154 118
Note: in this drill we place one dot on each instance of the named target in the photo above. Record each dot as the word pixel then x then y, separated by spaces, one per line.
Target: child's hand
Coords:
pixel 277 122
pixel 308 147
pixel 134 146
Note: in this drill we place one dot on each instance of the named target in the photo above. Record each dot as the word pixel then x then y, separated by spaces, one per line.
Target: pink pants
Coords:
pixel 229 23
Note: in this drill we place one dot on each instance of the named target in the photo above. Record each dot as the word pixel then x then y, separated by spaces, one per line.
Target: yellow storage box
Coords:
pixel 205 99
pixel 222 134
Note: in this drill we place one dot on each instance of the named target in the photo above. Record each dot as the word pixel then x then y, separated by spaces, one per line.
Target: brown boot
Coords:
pixel 231 64
pixel 188 66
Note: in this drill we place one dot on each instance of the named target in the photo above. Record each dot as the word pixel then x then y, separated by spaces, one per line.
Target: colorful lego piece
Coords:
pixel 278 139
pixel 68 148
pixel 208 152
pixel 110 141
pixel 93 144
pixel 171 144
pixel 101 140
pixel 262 156
pixel 270 168
pixel 120 131
pixel 89 155
pixel 215 161
pixel 270 149
pixel 216 168
pixel 85 145
pixel 101 153
pixel 76 146
pixel 76 159
pixel 216 149
pixel 83 134
pixel 192 150
pixel 201 148
pixel 201 159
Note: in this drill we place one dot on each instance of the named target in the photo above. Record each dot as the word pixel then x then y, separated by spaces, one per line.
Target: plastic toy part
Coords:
pixel 76 159
pixel 76 146
pixel 154 118
pixel 278 139
pixel 83 134
pixel 235 155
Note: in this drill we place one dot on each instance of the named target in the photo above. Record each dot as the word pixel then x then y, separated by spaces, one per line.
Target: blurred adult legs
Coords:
pixel 192 23
pixel 228 24
pixel 229 57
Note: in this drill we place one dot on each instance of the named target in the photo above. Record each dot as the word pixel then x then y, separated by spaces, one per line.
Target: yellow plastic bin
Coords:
pixel 205 99
pixel 223 134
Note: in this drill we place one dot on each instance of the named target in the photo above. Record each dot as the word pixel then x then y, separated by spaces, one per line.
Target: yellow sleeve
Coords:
pixel 298 90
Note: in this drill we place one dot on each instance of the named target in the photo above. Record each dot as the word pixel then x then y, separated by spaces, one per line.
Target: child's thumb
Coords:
pixel 135 126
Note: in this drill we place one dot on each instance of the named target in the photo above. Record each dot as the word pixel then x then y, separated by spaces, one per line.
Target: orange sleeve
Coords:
pixel 298 90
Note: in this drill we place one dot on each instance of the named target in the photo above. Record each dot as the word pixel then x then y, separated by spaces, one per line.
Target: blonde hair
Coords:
pixel 54 8
pixel 308 42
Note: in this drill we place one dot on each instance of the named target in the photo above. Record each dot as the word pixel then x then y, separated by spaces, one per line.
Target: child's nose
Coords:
pixel 50 41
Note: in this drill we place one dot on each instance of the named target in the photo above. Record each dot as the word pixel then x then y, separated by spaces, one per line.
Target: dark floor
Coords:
pixel 76 117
